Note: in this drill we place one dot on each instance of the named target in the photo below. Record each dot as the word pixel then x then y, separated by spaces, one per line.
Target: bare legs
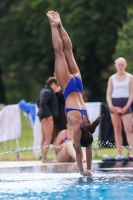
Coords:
pixel 43 137
pixel 47 126
pixel 65 63
pixel 67 47
pixel 127 122
pixel 61 67
pixel 116 121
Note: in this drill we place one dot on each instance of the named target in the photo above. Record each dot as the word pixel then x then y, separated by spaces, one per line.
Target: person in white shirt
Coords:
pixel 119 97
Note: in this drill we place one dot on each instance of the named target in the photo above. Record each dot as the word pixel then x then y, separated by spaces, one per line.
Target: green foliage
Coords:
pixel 27 56
pixel 124 47
pixel 23 51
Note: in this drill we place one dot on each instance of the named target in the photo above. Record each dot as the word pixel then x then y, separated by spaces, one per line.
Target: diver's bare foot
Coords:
pixel 56 16
pixel 51 19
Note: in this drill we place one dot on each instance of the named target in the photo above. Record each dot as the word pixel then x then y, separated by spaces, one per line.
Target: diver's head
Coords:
pixel 87 132
pixel 86 138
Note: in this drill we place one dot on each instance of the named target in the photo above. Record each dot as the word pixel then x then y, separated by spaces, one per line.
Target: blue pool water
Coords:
pixel 64 182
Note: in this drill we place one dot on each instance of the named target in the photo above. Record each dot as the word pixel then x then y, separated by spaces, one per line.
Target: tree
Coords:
pixel 27 56
pixel 4 8
pixel 124 47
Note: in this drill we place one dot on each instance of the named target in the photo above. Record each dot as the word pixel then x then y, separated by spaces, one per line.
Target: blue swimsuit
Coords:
pixel 75 85
pixel 82 112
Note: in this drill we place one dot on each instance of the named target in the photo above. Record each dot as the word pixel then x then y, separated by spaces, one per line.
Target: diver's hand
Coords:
pixel 88 172
pixel 85 173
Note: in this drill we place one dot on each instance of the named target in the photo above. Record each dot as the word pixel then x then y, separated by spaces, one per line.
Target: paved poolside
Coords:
pixel 64 167
pixel 6 164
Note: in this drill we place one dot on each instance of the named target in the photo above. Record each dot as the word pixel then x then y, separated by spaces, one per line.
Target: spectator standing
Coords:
pixel 119 98
pixel 48 112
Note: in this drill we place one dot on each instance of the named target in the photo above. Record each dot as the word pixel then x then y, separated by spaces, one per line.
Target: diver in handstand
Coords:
pixel 69 79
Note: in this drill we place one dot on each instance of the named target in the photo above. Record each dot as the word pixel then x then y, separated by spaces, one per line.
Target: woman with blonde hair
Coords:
pixel 119 98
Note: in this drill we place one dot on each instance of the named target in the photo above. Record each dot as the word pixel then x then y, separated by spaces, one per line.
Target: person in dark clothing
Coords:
pixel 61 121
pixel 48 112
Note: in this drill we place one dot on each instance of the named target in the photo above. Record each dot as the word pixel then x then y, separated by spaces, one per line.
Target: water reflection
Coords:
pixel 67 168
pixel 116 164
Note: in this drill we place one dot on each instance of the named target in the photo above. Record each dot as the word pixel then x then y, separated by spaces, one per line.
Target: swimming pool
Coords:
pixel 51 182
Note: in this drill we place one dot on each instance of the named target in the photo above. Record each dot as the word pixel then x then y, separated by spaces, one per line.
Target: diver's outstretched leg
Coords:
pixel 67 45
pixel 61 67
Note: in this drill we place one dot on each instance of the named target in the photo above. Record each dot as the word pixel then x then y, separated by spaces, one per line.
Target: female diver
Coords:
pixel 69 79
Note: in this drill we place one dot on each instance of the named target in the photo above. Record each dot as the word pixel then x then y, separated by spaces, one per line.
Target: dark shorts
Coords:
pixel 121 102
pixel 132 106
